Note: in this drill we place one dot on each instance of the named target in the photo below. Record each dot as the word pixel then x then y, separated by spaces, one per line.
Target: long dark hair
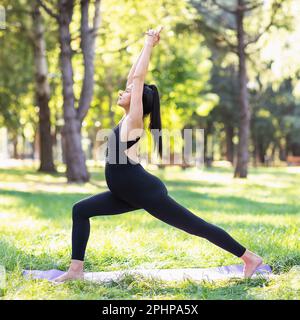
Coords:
pixel 151 105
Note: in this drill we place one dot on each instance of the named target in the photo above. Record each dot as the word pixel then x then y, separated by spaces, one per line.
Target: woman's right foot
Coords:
pixel 252 262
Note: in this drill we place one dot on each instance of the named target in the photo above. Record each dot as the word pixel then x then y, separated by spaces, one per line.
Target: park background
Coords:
pixel 228 67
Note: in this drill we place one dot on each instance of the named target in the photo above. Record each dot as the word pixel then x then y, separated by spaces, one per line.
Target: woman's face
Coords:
pixel 124 97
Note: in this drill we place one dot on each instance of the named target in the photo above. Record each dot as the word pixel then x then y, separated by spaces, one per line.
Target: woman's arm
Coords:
pixel 143 63
pixel 135 114
pixel 136 105
pixel 132 70
pixel 142 66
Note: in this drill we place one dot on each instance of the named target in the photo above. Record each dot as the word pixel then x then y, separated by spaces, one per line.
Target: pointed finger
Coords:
pixel 160 29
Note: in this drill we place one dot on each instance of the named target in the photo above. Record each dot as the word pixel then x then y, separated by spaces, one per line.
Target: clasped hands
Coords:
pixel 153 36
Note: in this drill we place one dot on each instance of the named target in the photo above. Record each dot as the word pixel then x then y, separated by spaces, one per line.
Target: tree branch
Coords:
pixel 88 50
pixel 253 7
pixel 121 48
pixel 232 46
pixel 48 10
pixel 223 7
pixel 251 53
pixel 277 5
pixel 214 36
pixel 97 18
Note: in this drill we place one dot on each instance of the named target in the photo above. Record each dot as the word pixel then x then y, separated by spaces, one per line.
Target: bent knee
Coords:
pixel 77 211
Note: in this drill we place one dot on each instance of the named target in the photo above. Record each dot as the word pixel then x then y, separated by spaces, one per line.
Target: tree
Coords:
pixel 236 39
pixel 224 82
pixel 16 61
pixel 74 116
pixel 26 26
pixel 42 90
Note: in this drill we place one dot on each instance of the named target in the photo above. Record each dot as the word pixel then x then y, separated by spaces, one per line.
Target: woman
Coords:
pixel 131 187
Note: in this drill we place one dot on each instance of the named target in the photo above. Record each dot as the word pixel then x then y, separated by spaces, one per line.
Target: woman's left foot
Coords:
pixel 252 262
pixel 70 275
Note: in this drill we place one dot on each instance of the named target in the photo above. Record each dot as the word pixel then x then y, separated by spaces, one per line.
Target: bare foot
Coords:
pixel 70 275
pixel 75 272
pixel 252 262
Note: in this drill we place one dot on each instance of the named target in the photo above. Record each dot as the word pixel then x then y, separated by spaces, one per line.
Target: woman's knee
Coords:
pixel 77 211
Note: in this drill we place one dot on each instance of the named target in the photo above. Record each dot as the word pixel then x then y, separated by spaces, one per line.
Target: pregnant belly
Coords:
pixel 133 181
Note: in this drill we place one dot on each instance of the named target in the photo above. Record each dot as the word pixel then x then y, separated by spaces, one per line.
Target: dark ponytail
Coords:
pixel 155 120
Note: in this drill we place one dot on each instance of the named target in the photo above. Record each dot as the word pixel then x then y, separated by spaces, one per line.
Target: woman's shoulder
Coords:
pixel 132 129
pixel 133 123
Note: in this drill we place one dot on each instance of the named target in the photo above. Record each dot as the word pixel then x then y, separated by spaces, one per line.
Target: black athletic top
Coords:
pixel 115 150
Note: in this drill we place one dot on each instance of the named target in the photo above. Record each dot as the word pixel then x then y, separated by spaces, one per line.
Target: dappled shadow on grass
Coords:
pixel 233 204
pixel 57 205
pixel 64 182
pixel 278 171
pixel 49 205
pixel 20 172
pixel 52 206
pixel 23 175
pixel 98 171
pixel 180 184
pixel 282 170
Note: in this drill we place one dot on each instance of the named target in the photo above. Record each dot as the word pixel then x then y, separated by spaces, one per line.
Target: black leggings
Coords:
pixel 163 207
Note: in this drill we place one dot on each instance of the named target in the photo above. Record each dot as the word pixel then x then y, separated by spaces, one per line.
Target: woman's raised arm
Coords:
pixel 136 106
pixel 132 70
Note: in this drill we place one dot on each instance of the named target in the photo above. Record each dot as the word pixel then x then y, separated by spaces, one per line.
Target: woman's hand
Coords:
pixel 153 36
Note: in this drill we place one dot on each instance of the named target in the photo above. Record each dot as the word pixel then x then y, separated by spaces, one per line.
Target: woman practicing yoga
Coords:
pixel 131 187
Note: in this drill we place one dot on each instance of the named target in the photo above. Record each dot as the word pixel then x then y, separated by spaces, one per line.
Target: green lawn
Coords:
pixel 262 212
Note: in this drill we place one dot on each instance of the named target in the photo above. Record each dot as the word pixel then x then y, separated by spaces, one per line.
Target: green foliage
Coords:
pixel 195 71
pixel 16 61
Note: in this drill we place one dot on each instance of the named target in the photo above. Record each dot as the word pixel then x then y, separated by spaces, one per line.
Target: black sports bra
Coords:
pixel 116 147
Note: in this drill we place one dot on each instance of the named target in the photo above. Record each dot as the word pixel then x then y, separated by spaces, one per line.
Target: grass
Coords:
pixel 262 212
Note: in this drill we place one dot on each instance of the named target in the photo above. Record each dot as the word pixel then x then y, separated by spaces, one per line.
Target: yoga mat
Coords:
pixel 216 273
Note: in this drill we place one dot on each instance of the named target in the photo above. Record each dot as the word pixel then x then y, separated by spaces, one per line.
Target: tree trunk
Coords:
pixel 75 157
pixel 261 152
pixel 208 149
pixel 254 153
pixel 287 145
pixel 63 148
pixel 244 123
pixel 15 148
pixel 229 142
pixel 295 149
pixel 282 151
pixel 73 152
pixel 273 153
pixel 42 91
pixel 37 145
